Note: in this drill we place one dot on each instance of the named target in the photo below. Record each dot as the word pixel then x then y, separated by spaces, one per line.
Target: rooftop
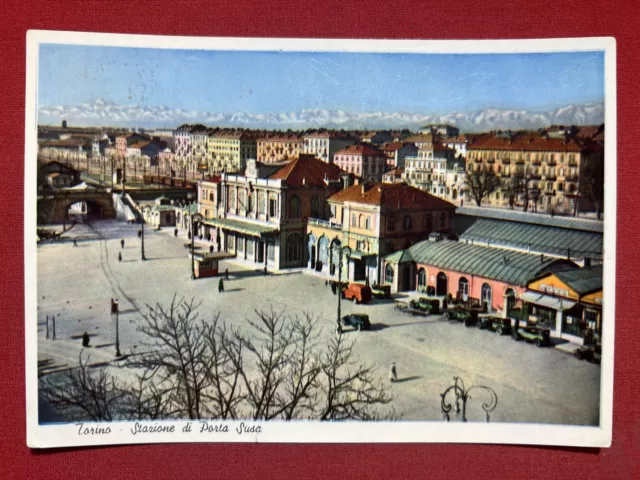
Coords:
pixel 391 195
pixel 583 280
pixel 539 238
pixel 571 223
pixel 360 150
pixel 525 142
pixel 307 170
pixel 503 265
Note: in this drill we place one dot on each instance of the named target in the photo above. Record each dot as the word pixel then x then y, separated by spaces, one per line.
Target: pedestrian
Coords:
pixel 139 233
pixel 175 232
pixel 85 339
pixel 112 306
pixel 265 270
pixel 75 242
pixel 220 286
pixel 226 274
pixel 115 306
pixel 393 374
pixel 122 243
pixel 120 257
pixel 552 212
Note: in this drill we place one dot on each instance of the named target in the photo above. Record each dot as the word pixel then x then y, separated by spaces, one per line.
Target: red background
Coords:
pixel 308 18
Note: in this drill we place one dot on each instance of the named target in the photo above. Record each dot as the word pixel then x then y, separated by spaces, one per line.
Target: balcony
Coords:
pixel 491 160
pixel 520 161
pixel 571 178
pixel 325 223
pixel 551 162
pixel 550 176
pixel 536 176
pixel 505 160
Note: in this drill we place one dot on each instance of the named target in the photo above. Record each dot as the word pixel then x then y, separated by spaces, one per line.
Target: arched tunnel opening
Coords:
pixel 85 210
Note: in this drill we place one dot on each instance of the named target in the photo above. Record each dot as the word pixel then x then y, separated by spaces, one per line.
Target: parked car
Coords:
pixel 590 353
pixel 540 336
pixel 502 326
pixel 359 321
pixel 427 305
pixel 466 315
pixel 381 291
pixel 357 292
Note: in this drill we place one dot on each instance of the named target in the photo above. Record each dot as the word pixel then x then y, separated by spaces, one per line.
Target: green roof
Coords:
pixel 583 280
pixel 400 256
pixel 240 226
pixel 540 238
pixel 571 223
pixel 503 265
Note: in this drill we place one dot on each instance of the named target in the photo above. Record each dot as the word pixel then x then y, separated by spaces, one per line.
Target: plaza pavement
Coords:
pixel 541 385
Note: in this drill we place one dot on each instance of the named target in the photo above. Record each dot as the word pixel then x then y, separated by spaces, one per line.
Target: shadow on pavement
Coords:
pixel 233 290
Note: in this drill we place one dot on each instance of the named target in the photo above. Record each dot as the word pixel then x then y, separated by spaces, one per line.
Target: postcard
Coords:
pixel 305 240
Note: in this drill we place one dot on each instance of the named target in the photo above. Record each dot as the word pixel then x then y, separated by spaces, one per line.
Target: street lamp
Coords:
pixel 196 217
pixel 461 397
pixel 339 289
pixel 142 238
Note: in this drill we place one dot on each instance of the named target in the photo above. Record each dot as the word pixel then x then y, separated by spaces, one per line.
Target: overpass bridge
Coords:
pixel 54 207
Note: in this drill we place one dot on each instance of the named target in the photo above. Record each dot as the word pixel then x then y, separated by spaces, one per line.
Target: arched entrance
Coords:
pixel 323 253
pixel 510 299
pixel 463 289
pixel 422 280
pixel 486 294
pixel 442 284
pixel 311 246
pixel 336 245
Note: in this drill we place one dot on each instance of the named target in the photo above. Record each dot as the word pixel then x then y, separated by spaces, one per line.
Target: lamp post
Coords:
pixel 196 217
pixel 339 289
pixel 142 239
pixel 462 395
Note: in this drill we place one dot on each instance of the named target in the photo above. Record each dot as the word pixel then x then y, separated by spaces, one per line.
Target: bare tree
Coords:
pixel 517 185
pixel 481 181
pixel 349 389
pixel 591 186
pixel 82 394
pixel 196 369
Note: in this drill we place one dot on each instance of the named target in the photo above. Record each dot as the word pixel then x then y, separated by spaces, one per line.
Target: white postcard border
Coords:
pixel 67 435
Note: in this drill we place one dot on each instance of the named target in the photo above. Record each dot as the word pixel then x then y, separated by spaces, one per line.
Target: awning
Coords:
pixel 239 226
pixel 548 301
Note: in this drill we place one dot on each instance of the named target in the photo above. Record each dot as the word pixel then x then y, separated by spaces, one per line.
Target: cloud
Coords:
pixel 104 113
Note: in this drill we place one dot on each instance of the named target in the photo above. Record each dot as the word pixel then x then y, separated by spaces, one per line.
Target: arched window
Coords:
pixel 388 274
pixel 211 197
pixel 323 250
pixel 422 278
pixel 454 195
pixel 361 221
pixel 463 288
pixel 367 223
pixel 315 207
pixel 510 298
pixel 486 294
pixel 294 207
pixel 294 248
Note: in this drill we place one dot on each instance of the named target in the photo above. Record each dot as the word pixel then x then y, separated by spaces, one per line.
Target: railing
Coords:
pixel 325 223
pixel 505 160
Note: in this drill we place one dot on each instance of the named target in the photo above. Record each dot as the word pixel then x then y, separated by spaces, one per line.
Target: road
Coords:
pixel 541 385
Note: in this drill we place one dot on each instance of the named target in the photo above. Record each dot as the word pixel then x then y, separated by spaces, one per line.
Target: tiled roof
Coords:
pixel 307 170
pixel 503 265
pixel 424 138
pixel 396 172
pixel 140 144
pixel 540 238
pixel 392 146
pixel 360 150
pixel 282 138
pixel 391 195
pixel 526 142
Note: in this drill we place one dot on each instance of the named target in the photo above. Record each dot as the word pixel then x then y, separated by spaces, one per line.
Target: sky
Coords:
pixel 276 82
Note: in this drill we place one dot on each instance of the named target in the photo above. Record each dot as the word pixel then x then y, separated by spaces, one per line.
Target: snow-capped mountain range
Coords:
pixel 104 113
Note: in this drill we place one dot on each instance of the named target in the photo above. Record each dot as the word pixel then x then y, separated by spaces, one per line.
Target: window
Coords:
pixel 211 197
pixel 273 211
pixel 406 224
pixel 315 207
pixel 271 249
pixel 240 245
pixel 261 202
pixel 294 248
pixel 354 221
pixel 391 224
pixel 388 274
pixel 361 221
pixel 443 220
pixel 367 223
pixel 295 207
pixel 428 222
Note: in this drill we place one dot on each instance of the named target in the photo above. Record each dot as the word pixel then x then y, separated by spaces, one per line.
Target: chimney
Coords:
pixel 587 262
pixel 363 188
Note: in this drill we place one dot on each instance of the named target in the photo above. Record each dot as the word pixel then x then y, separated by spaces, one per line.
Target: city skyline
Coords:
pixel 153 87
